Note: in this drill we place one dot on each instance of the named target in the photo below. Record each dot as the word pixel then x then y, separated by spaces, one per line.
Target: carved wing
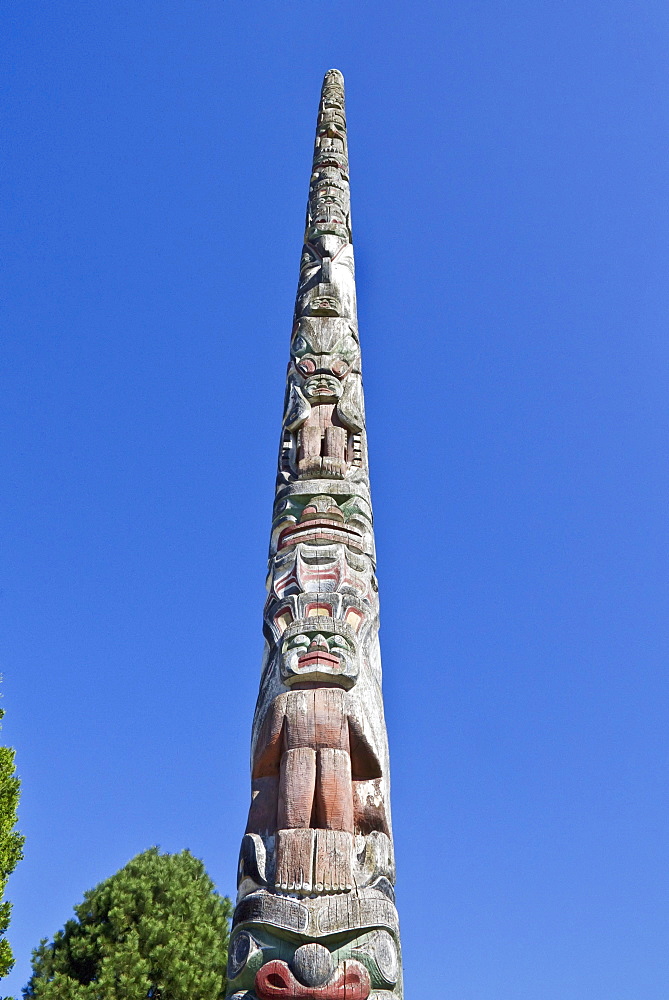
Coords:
pixel 365 764
pixel 349 407
pixel 298 409
pixel 267 756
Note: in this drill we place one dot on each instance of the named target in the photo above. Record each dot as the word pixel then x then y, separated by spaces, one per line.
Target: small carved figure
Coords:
pixel 321 434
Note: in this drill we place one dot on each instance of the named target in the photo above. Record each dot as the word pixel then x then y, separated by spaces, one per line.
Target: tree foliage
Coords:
pixel 11 845
pixel 157 929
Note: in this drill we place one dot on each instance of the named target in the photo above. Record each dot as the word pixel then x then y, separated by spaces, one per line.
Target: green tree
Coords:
pixel 157 929
pixel 11 845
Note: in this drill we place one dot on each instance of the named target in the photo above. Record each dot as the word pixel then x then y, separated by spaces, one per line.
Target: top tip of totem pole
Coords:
pixel 333 76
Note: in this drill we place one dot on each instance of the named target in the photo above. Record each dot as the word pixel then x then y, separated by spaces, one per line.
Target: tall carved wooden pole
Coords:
pixel 315 915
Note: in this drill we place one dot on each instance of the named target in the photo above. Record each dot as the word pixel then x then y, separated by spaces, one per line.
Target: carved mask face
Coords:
pixel 315 650
pixel 328 212
pixel 322 388
pixel 331 159
pixel 330 176
pixel 327 193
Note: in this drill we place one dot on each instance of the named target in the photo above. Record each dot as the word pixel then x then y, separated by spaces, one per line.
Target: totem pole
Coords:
pixel 315 915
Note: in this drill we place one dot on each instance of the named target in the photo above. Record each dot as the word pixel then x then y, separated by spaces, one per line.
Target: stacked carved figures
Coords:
pixel 315 915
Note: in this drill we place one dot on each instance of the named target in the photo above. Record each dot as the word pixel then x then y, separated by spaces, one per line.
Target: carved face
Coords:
pixel 298 963
pixel 333 97
pixel 322 388
pixel 323 304
pixel 325 191
pixel 329 176
pixel 329 157
pixel 318 653
pixel 323 568
pixel 328 210
pixel 318 518
pixel 334 355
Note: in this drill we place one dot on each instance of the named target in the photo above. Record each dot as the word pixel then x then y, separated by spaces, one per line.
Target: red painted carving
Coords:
pixel 275 981
pixel 322 530
pixel 311 752
pixel 315 744
pixel 320 658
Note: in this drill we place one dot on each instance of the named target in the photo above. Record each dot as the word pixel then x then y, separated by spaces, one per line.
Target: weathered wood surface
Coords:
pixel 315 915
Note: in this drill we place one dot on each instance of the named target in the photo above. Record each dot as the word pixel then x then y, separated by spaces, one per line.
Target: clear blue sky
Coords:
pixel 509 167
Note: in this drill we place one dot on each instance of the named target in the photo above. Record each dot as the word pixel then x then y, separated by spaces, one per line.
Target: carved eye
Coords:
pixel 241 949
pixel 307 366
pixel 383 950
pixel 339 368
pixel 299 345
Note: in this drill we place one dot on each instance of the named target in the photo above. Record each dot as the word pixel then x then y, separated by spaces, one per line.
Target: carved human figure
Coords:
pixel 313 745
pixel 321 414
pixel 322 438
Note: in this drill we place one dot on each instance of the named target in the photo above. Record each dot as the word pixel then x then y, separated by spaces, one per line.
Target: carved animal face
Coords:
pixel 330 349
pixel 296 518
pixel 299 963
pixel 327 285
pixel 322 567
